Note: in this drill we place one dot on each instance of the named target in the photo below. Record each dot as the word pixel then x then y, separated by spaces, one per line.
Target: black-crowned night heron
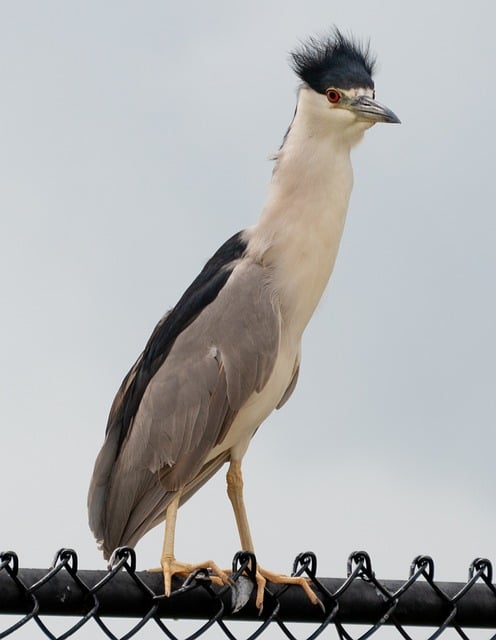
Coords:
pixel 229 352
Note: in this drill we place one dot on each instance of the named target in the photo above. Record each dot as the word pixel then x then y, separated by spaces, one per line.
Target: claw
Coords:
pixel 261 582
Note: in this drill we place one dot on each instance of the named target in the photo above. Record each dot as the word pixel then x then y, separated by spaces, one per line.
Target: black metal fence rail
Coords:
pixel 360 598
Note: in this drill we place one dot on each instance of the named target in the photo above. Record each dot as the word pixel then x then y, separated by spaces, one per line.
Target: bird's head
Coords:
pixel 336 73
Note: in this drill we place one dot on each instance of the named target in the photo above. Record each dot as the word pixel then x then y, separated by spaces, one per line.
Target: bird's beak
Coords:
pixel 366 108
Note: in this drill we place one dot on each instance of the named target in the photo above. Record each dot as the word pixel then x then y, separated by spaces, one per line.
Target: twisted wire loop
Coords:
pixel 9 565
pixel 77 596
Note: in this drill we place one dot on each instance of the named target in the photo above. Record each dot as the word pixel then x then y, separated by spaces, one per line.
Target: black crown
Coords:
pixel 334 61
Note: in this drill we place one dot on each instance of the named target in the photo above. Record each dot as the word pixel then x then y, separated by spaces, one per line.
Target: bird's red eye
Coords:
pixel 333 95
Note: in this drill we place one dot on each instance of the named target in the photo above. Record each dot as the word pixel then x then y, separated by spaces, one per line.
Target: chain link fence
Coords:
pixel 31 595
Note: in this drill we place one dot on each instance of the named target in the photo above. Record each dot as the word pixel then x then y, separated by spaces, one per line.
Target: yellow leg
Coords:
pixel 235 492
pixel 234 479
pixel 170 566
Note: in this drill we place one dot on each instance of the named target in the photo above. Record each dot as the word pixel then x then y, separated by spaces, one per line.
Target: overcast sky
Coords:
pixel 134 139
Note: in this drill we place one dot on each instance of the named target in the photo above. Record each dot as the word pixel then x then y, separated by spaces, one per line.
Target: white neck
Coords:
pixel 300 228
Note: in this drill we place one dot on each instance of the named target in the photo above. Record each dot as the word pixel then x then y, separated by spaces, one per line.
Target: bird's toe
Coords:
pixel 171 567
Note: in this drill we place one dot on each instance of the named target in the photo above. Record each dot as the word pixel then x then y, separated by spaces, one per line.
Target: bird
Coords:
pixel 228 353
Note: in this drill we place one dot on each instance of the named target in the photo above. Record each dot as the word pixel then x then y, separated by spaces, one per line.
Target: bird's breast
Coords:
pixel 300 230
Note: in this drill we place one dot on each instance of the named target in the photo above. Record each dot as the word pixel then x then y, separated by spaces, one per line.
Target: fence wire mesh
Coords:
pixel 30 596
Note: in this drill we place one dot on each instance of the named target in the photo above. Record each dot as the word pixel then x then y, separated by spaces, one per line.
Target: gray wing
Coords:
pixel 291 385
pixel 214 365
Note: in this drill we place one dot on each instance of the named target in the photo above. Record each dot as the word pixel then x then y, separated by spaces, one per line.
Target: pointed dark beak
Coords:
pixel 368 109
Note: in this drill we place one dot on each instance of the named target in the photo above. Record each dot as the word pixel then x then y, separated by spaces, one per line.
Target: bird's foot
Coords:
pixel 245 563
pixel 262 576
pixel 170 567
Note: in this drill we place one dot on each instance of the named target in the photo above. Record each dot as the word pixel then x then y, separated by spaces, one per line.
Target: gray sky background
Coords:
pixel 134 139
